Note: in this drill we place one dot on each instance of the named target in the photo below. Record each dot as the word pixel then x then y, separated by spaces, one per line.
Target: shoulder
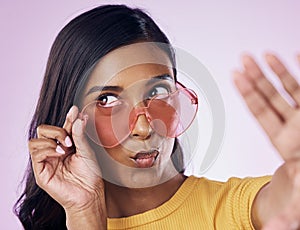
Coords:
pixel 226 202
pixel 232 183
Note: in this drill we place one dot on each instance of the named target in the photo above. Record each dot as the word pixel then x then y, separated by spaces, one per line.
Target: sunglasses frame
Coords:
pixel 143 110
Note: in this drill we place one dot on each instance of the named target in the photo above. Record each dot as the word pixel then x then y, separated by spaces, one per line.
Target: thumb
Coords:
pixel 83 147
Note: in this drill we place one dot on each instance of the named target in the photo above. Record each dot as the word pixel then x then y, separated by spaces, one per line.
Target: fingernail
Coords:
pixel 59 150
pixel 71 114
pixel 68 141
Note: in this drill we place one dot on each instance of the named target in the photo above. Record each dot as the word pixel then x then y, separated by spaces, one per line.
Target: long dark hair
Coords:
pixel 79 45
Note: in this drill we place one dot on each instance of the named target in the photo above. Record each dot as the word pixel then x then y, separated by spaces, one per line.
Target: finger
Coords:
pixel 55 133
pixel 82 146
pixel 39 157
pixel 288 81
pixel 40 143
pixel 265 87
pixel 70 118
pixel 263 112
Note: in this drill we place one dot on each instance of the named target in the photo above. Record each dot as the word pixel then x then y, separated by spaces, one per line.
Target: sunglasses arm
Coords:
pixel 190 93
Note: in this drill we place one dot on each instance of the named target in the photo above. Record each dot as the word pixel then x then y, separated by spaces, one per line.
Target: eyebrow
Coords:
pixel 158 78
pixel 120 89
pixel 104 88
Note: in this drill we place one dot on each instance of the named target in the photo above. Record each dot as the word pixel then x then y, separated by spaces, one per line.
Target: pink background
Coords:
pixel 216 32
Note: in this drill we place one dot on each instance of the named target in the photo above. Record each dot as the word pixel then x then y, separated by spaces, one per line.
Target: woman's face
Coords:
pixel 127 76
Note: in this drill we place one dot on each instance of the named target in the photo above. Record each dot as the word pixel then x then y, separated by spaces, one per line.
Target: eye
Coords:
pixel 158 90
pixel 108 100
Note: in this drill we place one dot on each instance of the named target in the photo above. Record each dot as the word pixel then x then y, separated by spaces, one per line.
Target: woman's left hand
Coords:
pixel 279 202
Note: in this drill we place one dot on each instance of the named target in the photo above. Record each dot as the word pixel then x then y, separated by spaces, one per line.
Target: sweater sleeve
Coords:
pixel 241 195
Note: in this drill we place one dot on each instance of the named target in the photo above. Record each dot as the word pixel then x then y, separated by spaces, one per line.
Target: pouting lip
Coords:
pixel 146 154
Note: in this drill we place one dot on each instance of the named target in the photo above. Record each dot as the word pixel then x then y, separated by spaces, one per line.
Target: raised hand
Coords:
pixel 66 168
pixel 277 205
pixel 280 119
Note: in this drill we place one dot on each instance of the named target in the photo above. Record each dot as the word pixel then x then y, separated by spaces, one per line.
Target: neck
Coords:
pixel 124 202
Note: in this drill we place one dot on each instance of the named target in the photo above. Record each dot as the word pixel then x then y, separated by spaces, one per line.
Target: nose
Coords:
pixel 141 129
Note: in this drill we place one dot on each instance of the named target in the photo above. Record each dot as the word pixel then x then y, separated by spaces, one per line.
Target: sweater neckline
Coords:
pixel 158 213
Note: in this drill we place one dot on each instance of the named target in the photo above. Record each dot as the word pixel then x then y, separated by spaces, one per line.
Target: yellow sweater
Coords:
pixel 200 204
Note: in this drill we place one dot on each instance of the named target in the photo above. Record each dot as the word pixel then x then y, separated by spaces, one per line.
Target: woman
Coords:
pixel 87 170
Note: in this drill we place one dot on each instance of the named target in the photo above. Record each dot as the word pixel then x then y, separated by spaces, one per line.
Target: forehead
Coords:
pixel 136 61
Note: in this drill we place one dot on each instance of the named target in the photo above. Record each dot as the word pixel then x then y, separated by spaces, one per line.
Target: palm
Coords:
pixel 286 141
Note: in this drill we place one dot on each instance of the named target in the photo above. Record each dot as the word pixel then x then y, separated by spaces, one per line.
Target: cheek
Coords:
pixel 115 153
pixel 168 146
pixel 119 154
